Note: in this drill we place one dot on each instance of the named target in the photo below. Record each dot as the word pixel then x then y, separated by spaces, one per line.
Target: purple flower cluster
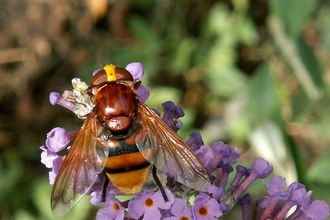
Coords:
pixel 281 200
pixel 218 160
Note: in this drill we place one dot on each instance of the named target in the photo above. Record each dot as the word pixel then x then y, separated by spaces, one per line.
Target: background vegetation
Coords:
pixel 254 74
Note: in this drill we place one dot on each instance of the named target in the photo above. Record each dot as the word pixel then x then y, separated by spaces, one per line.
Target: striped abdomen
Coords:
pixel 126 167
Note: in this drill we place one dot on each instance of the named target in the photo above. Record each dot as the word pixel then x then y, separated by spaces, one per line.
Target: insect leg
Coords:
pixel 106 183
pixel 154 174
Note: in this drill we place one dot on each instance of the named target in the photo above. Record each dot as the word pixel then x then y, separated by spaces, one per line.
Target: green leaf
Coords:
pixel 299 104
pixel 23 214
pixel 226 81
pixel 293 13
pixel 320 169
pixel 217 21
pixel 183 54
pixel 312 65
pixel 320 190
pixel 324 25
pixel 263 101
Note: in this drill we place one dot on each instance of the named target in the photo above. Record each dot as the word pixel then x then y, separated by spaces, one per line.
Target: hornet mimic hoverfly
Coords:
pixel 123 138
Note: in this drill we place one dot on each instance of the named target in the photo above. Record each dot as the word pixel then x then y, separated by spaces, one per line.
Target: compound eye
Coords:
pixel 123 75
pixel 99 79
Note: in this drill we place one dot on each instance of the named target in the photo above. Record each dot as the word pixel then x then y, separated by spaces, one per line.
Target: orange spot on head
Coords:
pixel 110 72
pixel 184 218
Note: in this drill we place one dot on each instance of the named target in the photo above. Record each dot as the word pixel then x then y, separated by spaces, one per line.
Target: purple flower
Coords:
pixel 96 191
pixel 57 139
pixel 260 169
pixel 47 156
pixel 112 210
pixel 276 187
pixel 281 201
pixel 78 100
pixel 147 204
pixel 143 93
pixel 206 208
pixel 294 193
pixel 215 192
pixel 297 192
pixel 57 164
pixel 233 157
pixel 240 172
pixel 223 174
pixel 171 115
pixel 179 210
pixel 268 206
pixel 314 210
pixel 207 156
pixel 195 141
pixel 97 197
pixel 56 99
pixel 137 71
pixel 222 150
pixel 96 71
pixel 245 203
pixel 222 154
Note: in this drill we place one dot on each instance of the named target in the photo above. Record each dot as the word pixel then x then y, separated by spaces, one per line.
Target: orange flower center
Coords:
pixel 149 202
pixel 116 207
pixel 202 211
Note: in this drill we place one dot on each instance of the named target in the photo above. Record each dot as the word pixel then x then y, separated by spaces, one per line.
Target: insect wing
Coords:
pixel 169 153
pixel 80 169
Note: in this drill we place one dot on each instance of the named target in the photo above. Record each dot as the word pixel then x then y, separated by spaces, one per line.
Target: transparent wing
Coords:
pixel 81 167
pixel 169 153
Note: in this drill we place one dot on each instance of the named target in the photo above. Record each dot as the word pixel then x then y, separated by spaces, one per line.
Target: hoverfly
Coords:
pixel 123 138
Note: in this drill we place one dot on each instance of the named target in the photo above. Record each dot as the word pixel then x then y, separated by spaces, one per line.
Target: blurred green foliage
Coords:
pixel 254 74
